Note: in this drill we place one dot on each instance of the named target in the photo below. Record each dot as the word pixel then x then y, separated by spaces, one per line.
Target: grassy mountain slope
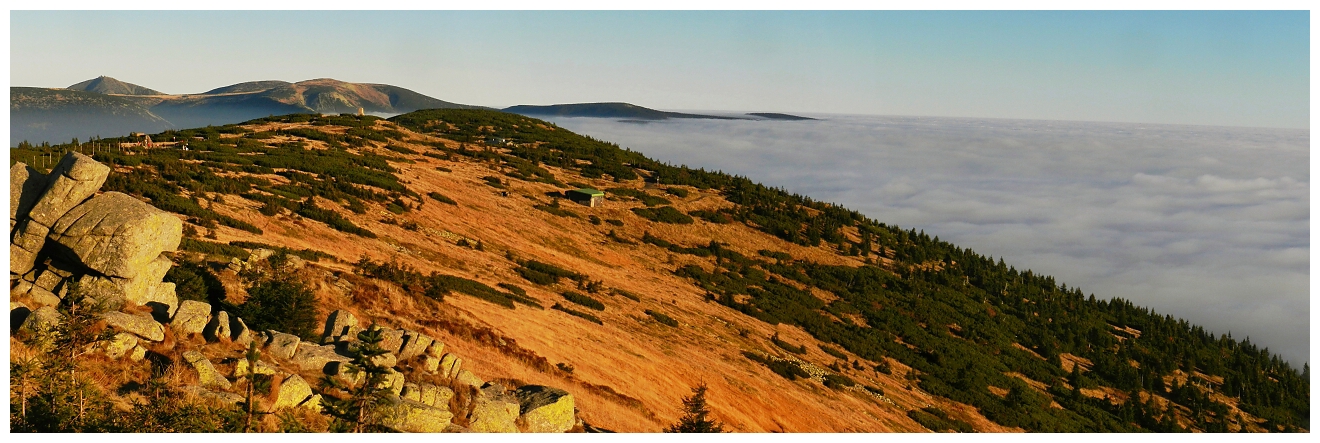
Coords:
pixel 605 110
pixel 799 315
pixel 256 86
pixel 107 85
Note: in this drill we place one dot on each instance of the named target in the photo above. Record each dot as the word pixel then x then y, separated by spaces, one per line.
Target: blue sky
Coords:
pixel 1211 68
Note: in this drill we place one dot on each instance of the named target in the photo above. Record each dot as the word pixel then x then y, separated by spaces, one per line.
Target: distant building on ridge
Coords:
pixel 586 196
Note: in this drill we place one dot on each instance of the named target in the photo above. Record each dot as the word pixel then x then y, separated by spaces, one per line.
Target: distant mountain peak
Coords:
pixel 109 85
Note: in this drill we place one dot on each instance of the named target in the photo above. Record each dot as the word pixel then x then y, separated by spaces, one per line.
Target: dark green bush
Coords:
pixel 576 313
pixel 662 318
pixel 282 304
pixel 584 300
pixel 442 199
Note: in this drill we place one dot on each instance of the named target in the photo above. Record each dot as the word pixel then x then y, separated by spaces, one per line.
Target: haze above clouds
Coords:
pixel 1210 224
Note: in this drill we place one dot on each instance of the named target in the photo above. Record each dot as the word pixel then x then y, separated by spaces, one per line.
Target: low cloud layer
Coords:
pixel 1204 223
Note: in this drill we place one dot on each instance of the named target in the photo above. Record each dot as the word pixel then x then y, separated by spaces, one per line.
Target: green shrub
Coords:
pixel 330 217
pixel 716 217
pixel 627 295
pixel 677 192
pixel 212 248
pixel 784 368
pixel 282 304
pixel 662 318
pixel 584 300
pixel 442 199
pixel 646 199
pixel 575 313
pixel 193 281
pixel 801 349
pixel 838 381
pixel 835 352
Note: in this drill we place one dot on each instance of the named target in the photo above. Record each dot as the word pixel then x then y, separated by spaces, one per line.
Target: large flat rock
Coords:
pixel 116 234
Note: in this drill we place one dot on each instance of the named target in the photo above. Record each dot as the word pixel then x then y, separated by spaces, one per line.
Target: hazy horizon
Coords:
pixel 1233 68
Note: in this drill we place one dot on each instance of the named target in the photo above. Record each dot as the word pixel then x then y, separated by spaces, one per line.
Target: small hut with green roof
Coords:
pixel 586 196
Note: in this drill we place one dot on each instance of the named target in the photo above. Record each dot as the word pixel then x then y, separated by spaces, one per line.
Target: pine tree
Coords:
pixel 695 414
pixel 353 409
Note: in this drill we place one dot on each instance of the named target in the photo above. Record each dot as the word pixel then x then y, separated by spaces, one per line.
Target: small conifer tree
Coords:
pixel 353 410
pixel 696 416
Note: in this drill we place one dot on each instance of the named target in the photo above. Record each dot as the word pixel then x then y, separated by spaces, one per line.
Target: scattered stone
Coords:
pixel 138 353
pixel 218 328
pixel 119 345
pixel 142 326
pixel 337 325
pixel 414 344
pixel 339 370
pixel 468 378
pixel 387 360
pixel 493 415
pixel 25 186
pixel 116 234
pixel 49 281
pixel 437 349
pixel 43 297
pixel 545 409
pixel 239 330
pixel 191 317
pixel 428 363
pixel 28 239
pixel 42 320
pixel 393 381
pixel 294 391
pixel 310 357
pixel 410 416
pixel 433 395
pixel 207 375
pixel 241 368
pixel 411 392
pixel 282 345
pixel 391 339
pixel 103 291
pixel 449 365
pixel 203 393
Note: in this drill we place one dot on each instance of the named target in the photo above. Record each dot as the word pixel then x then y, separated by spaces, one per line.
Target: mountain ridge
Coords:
pixel 37 116
pixel 607 110
pixel 801 315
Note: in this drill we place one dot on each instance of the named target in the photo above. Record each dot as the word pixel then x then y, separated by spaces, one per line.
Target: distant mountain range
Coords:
pixel 107 107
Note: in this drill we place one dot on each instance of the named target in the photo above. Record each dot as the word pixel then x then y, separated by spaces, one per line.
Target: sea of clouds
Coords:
pixel 1210 224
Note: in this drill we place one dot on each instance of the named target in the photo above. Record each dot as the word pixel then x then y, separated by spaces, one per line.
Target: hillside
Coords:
pixel 107 85
pixel 799 315
pixel 55 118
pixel 605 110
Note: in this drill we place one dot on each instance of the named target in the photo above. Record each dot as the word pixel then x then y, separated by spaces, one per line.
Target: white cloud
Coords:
pixel 1210 224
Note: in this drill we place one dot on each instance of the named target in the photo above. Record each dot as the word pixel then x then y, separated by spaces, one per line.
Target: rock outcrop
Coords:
pixel 545 409
pixel 113 250
pixel 110 246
